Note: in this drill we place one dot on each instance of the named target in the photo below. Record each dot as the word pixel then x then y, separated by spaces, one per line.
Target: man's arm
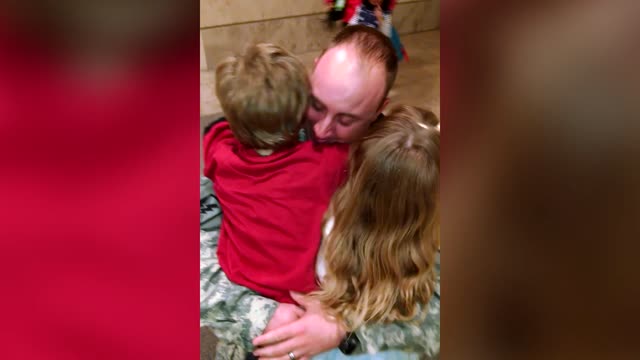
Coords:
pixel 421 337
pixel 234 313
pixel 210 212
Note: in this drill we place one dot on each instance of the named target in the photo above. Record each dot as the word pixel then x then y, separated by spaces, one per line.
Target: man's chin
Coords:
pixel 318 140
pixel 327 141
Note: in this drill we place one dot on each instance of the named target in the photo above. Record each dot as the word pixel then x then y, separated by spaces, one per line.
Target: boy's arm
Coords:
pixel 422 337
pixel 233 312
pixel 216 135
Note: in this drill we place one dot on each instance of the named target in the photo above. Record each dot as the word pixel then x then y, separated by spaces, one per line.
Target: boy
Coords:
pixel 273 189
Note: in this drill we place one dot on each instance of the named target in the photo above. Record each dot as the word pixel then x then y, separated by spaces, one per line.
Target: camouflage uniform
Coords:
pixel 236 314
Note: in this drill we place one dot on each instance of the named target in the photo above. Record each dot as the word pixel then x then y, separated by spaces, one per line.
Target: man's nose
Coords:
pixel 322 128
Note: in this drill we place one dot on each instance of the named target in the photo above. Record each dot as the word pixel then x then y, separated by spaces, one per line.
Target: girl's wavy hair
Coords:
pixel 380 254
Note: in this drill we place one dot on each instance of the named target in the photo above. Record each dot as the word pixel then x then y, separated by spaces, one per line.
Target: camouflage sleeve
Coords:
pixel 210 212
pixel 234 313
pixel 422 337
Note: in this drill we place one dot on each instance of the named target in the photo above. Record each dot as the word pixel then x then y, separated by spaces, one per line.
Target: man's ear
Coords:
pixel 315 61
pixel 383 105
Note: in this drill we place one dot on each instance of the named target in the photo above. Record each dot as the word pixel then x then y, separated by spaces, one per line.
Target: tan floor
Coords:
pixel 418 81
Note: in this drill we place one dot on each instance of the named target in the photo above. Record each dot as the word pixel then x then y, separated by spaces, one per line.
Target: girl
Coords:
pixel 377 261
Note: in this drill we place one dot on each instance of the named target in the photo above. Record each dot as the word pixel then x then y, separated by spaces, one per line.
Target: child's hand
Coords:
pixel 379 15
pixel 284 314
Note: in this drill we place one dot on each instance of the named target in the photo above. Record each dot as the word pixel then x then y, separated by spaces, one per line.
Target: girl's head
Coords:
pixel 381 251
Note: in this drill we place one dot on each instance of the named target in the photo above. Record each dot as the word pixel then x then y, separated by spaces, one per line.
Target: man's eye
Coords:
pixel 344 121
pixel 315 104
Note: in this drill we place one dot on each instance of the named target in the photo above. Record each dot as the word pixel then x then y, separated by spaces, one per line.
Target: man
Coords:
pixel 350 84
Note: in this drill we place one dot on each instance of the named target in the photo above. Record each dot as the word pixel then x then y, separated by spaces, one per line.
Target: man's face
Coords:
pixel 346 96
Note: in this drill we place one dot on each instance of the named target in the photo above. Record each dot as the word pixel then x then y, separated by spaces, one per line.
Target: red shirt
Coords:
pixel 272 207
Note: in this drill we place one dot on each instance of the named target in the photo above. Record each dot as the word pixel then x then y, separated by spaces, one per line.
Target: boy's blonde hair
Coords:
pixel 264 95
pixel 380 254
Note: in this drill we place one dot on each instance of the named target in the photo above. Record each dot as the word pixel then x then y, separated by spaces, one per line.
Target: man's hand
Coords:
pixel 284 314
pixel 310 335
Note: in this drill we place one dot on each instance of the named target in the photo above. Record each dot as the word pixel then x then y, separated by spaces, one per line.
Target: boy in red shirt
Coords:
pixel 273 188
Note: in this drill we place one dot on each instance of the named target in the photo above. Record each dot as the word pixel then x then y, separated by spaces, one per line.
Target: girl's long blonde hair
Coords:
pixel 380 254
